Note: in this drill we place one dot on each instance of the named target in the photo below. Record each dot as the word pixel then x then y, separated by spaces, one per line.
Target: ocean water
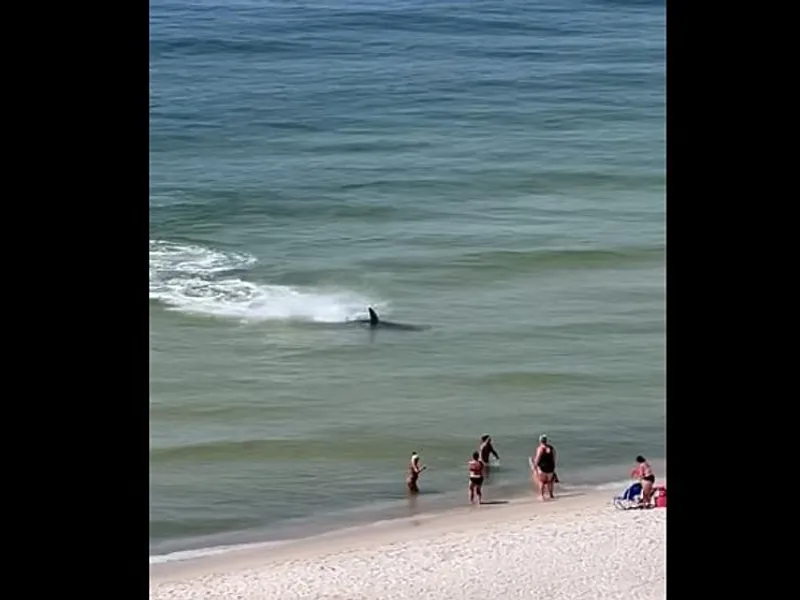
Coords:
pixel 495 171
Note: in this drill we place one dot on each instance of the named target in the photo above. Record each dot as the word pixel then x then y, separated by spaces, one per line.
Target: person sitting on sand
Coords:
pixel 644 473
pixel 544 466
pixel 486 449
pixel 475 469
pixel 414 469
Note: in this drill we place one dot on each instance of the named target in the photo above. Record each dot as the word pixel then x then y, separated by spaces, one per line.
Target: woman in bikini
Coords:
pixel 644 473
pixel 475 469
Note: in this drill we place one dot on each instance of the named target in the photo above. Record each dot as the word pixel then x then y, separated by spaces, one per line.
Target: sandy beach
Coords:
pixel 570 548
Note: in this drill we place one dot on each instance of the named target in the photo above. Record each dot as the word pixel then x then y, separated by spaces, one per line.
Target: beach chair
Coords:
pixel 630 498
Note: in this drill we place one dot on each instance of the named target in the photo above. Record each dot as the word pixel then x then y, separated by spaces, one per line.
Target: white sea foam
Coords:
pixel 212 551
pixel 199 280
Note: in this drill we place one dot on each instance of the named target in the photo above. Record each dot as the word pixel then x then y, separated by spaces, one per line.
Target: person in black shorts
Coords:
pixel 475 468
pixel 644 473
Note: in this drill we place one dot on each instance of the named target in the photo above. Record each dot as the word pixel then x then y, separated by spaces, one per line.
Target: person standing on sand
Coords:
pixel 414 469
pixel 644 473
pixel 544 466
pixel 475 469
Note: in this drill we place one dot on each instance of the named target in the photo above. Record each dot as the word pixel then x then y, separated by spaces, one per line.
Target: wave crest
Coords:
pixel 198 280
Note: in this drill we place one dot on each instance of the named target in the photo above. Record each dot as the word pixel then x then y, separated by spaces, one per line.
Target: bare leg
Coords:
pixel 479 493
pixel 647 492
pixel 471 493
pixel 542 484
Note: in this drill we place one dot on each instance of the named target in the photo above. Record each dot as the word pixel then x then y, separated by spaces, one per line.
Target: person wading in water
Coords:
pixel 486 449
pixel 414 469
pixel 544 466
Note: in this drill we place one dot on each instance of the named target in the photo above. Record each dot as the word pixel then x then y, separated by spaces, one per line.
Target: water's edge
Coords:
pixel 367 516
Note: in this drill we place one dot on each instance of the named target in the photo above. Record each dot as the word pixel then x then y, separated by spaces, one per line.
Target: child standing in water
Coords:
pixel 414 469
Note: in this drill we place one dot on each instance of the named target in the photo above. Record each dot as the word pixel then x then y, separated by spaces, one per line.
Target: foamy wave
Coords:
pixel 204 281
pixel 213 551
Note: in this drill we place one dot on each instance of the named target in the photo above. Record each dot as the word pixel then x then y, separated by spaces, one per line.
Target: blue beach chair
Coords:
pixel 630 498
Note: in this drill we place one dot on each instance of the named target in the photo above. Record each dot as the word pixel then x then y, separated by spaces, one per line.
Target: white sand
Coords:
pixel 567 549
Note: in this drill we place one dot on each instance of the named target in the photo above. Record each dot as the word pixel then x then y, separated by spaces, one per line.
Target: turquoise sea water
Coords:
pixel 495 171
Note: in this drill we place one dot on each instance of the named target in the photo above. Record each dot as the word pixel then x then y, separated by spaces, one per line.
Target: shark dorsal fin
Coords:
pixel 373 316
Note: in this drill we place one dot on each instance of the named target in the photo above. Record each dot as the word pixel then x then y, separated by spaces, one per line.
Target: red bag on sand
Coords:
pixel 661 497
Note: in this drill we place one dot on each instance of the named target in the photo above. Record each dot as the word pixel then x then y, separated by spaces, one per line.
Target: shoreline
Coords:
pixel 379 512
pixel 336 523
pixel 587 522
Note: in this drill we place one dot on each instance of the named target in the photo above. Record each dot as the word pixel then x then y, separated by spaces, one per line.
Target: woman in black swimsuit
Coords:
pixel 544 466
pixel 486 449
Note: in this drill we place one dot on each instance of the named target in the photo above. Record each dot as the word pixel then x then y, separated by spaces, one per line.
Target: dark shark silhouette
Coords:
pixel 375 322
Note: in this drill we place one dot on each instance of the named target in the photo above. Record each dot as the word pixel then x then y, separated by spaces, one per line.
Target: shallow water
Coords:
pixel 496 173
